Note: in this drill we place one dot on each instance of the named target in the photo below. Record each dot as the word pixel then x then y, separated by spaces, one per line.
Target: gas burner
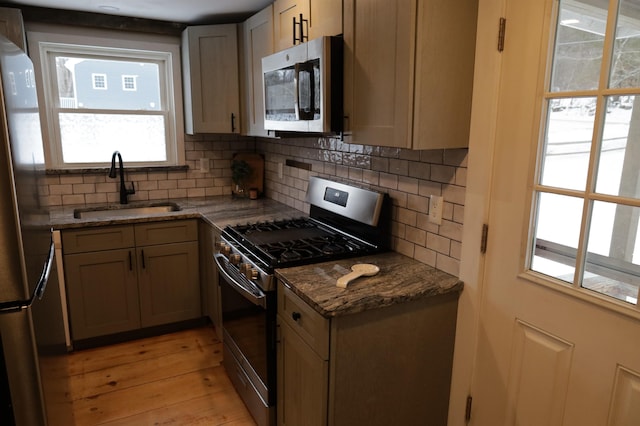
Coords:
pixel 330 249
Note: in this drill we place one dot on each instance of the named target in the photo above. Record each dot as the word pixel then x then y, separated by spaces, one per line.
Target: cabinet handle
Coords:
pixel 303 37
pixel 294 31
pixel 142 256
pixel 130 261
pixel 296 316
pixel 301 28
pixel 233 123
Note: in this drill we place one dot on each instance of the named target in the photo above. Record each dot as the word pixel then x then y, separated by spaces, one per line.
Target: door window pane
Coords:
pixel 619 155
pixel 557 236
pixel 613 256
pixel 625 59
pixel 568 142
pixel 579 45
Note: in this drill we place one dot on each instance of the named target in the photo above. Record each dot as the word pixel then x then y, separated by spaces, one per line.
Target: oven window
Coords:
pixel 247 324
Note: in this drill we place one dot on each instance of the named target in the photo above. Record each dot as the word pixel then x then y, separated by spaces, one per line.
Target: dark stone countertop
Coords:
pixel 401 279
pixel 217 211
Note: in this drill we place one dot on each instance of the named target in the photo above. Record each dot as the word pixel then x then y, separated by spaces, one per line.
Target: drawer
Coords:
pixel 312 327
pixel 175 231
pixel 97 239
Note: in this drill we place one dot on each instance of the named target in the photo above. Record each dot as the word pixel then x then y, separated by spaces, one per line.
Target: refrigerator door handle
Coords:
pixel 38 292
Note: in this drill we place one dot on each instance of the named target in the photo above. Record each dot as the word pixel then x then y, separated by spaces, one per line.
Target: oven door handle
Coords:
pixel 249 290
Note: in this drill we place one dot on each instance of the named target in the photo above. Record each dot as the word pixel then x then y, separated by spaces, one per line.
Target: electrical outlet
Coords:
pixel 280 170
pixel 435 209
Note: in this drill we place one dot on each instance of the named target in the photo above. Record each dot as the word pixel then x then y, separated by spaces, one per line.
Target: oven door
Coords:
pixel 249 327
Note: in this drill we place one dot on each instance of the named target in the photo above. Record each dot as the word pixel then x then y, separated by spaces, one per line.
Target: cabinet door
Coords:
pixel 12 26
pixel 210 75
pixel 168 282
pixel 302 381
pixel 284 28
pixel 325 18
pixel 444 81
pixel 321 18
pixel 379 54
pixel 103 292
pixel 257 43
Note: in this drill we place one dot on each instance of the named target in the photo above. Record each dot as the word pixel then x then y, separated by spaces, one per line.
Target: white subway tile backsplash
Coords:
pixel 408 177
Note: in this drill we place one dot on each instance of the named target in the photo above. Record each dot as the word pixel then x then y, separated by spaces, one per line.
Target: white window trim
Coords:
pixel 94 80
pixel 41 35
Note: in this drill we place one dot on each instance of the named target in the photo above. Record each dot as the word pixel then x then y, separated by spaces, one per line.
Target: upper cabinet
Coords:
pixel 12 26
pixel 210 74
pixel 257 42
pixel 319 18
pixel 409 72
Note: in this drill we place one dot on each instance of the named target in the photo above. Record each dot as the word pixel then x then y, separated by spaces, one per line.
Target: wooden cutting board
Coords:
pixel 256 162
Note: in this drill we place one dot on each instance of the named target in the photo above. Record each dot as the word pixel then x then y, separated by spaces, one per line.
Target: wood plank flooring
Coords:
pixel 173 379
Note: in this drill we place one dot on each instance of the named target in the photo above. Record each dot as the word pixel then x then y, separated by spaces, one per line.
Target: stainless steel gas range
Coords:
pixel 344 221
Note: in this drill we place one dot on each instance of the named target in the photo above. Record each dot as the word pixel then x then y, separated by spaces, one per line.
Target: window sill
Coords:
pixel 103 170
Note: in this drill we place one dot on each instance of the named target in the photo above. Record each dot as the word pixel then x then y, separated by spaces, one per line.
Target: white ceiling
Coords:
pixel 183 11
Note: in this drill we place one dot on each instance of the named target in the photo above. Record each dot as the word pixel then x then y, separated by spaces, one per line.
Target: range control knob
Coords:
pixel 252 273
pixel 224 248
pixel 235 259
pixel 243 267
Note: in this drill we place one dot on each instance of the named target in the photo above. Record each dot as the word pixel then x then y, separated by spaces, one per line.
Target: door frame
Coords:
pixel 484 114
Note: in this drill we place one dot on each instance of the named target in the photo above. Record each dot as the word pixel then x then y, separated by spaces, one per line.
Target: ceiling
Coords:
pixel 182 11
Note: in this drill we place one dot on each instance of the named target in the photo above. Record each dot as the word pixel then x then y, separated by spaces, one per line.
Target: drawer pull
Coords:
pixel 296 316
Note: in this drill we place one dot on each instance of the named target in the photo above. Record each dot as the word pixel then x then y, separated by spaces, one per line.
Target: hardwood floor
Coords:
pixel 173 379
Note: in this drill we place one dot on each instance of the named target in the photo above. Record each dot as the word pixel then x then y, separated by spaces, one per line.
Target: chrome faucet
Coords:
pixel 124 192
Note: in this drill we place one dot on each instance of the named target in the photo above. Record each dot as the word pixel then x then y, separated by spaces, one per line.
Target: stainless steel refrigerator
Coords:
pixel 33 371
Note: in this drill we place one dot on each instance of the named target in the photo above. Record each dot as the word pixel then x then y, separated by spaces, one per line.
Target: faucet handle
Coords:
pixel 132 190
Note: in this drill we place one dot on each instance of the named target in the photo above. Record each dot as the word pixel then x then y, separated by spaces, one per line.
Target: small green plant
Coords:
pixel 240 170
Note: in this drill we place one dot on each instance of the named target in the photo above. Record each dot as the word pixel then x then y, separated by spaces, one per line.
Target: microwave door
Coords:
pixel 305 105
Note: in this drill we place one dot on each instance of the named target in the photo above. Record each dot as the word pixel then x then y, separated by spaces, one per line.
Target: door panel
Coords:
pixel 625 407
pixel 539 376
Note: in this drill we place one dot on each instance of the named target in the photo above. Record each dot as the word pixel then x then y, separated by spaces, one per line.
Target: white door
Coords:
pixel 559 326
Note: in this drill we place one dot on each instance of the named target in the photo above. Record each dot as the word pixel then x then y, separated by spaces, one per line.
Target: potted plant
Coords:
pixel 240 171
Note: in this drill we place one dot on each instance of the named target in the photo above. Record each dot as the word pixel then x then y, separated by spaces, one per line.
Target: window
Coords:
pixel 87 119
pixel 129 83
pixel 99 80
pixel 587 184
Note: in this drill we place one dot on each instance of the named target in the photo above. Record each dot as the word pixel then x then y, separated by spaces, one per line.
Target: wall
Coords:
pixel 72 188
pixel 409 177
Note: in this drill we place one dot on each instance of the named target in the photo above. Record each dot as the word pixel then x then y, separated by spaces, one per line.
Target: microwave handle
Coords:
pixel 304 67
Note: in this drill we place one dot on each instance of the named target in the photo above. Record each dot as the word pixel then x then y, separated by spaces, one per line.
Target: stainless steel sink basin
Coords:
pixel 124 210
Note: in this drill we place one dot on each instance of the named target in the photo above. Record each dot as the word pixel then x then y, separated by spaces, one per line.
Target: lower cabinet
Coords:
pixel 209 276
pixel 387 366
pixel 121 278
pixel 302 381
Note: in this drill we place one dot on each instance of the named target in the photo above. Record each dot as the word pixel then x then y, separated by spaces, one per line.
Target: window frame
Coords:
pixel 588 195
pixel 45 39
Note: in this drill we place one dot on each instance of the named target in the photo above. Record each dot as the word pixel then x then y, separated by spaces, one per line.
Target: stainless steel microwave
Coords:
pixel 303 87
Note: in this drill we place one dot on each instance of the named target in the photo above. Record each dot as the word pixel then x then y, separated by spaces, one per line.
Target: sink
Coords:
pixel 119 210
